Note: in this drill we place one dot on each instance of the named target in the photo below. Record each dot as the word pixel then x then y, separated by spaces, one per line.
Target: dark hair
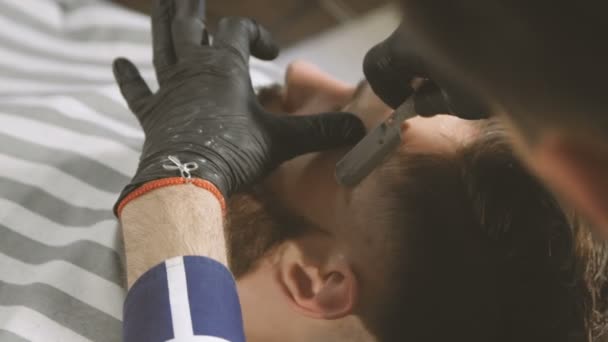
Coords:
pixel 484 253
pixel 258 223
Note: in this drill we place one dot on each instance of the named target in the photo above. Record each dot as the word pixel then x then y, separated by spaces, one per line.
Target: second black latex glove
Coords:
pixel 206 112
pixel 392 65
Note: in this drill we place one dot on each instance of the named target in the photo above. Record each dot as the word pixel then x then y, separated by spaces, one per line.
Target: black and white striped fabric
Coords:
pixel 68 145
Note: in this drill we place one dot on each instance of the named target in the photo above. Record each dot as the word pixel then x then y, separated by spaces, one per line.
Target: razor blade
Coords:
pixel 375 147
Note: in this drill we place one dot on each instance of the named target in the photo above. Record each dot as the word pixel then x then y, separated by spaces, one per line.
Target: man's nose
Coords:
pixel 310 88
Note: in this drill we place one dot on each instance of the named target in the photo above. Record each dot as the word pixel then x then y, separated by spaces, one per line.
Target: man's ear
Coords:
pixel 318 282
pixel 578 170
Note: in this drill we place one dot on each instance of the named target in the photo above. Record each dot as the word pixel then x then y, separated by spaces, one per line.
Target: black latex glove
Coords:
pixel 392 65
pixel 206 112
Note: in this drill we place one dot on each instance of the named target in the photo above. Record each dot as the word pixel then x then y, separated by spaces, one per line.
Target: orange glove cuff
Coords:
pixel 161 183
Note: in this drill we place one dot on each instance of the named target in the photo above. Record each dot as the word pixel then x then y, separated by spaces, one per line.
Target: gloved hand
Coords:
pixel 392 65
pixel 206 115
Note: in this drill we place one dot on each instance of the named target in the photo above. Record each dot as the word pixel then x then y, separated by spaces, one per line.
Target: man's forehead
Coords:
pixel 440 133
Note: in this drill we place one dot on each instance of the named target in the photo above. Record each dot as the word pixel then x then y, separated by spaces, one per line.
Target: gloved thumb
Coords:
pixel 297 135
pixel 246 37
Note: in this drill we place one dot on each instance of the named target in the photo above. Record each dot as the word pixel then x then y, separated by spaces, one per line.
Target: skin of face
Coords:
pixel 314 287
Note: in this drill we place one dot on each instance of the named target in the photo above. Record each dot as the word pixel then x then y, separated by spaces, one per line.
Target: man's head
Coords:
pixel 449 239
pixel 539 65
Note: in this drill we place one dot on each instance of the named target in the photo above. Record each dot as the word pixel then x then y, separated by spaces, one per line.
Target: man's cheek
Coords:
pixel 307 186
pixel 285 182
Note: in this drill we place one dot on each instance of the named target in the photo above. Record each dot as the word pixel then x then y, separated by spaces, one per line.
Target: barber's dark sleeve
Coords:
pixel 184 299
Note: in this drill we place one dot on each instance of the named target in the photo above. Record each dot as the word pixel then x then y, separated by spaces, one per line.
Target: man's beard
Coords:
pixel 256 223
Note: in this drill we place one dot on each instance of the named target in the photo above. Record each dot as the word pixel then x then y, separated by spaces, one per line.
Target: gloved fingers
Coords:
pixel 305 134
pixel 246 37
pixel 390 69
pixel 380 70
pixel 162 40
pixel 187 27
pixel 429 100
pixel 132 86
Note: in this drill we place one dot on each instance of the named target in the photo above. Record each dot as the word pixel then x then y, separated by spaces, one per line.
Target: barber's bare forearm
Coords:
pixel 168 222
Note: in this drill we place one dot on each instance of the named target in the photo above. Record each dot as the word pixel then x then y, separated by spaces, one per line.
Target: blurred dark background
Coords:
pixel 290 21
